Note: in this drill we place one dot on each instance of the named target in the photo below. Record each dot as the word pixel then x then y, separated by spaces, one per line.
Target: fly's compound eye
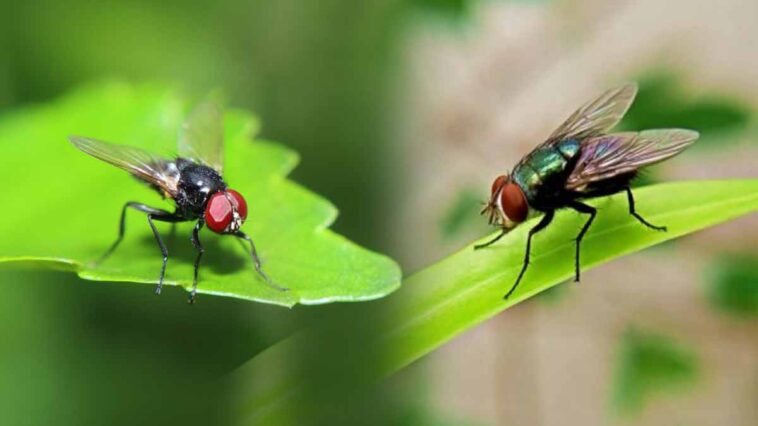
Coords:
pixel 226 211
pixel 218 213
pixel 239 203
pixel 498 183
pixel 514 203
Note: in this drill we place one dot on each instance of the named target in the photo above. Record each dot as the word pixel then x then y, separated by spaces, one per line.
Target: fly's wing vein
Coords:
pixel 606 156
pixel 597 116
pixel 202 136
pixel 146 166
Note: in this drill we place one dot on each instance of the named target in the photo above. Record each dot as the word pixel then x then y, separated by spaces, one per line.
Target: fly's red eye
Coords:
pixel 514 203
pixel 239 202
pixel 499 181
pixel 218 212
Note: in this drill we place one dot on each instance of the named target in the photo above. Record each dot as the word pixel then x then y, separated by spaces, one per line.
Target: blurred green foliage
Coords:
pixel 451 8
pixel 461 214
pixel 645 177
pixel 81 353
pixel 555 294
pixel 663 101
pixel 650 364
pixel 733 287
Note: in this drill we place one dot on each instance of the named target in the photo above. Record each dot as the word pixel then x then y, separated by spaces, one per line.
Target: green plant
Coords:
pixel 733 287
pixel 650 363
pixel 439 302
pixel 63 211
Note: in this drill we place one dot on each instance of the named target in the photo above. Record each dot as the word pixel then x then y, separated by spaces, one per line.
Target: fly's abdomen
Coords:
pixel 544 170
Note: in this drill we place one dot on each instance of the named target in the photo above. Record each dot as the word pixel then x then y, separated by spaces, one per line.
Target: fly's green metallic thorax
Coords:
pixel 543 164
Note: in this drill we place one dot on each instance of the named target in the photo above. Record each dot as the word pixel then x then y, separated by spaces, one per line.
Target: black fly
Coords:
pixel 192 180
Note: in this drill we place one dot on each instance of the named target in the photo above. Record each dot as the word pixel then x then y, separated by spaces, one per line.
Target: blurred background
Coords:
pixel 403 112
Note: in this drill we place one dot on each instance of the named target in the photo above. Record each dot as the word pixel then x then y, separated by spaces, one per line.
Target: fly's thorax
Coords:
pixel 569 148
pixel 196 185
pixel 544 166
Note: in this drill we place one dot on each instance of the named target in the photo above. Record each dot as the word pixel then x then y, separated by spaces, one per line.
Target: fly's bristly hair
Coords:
pixel 490 209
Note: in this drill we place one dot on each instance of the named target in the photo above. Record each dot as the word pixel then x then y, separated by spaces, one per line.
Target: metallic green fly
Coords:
pixel 577 162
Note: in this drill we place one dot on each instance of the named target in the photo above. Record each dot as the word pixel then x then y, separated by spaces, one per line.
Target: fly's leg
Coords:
pixel 121 230
pixel 152 214
pixel 122 224
pixel 636 215
pixel 492 241
pixel 200 250
pixel 164 252
pixel 585 209
pixel 162 216
pixel 257 261
pixel 546 219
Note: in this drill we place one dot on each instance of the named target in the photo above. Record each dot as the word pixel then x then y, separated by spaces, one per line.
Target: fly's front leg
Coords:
pixel 492 241
pixel 257 261
pixel 200 250
pixel 544 222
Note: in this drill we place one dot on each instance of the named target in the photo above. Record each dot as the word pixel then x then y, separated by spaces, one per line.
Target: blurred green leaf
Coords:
pixel 645 177
pixel 466 288
pixel 650 364
pixel 554 294
pixel 662 102
pixel 451 8
pixel 734 287
pixel 63 206
pixel 460 214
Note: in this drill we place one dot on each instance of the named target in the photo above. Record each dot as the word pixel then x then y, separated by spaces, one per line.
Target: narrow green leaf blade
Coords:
pixel 466 288
pixel 62 207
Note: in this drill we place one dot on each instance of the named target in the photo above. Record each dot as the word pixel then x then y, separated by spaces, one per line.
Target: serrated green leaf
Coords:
pixel 467 288
pixel 62 207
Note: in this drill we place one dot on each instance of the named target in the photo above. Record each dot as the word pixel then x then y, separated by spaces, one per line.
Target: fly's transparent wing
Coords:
pixel 202 136
pixel 150 168
pixel 603 157
pixel 598 116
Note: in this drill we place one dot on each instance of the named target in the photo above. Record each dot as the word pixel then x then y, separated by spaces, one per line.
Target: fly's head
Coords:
pixel 225 212
pixel 507 206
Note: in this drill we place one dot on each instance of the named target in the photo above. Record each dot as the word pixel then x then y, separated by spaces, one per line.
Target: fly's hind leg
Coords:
pixel 636 215
pixel 152 214
pixel 121 230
